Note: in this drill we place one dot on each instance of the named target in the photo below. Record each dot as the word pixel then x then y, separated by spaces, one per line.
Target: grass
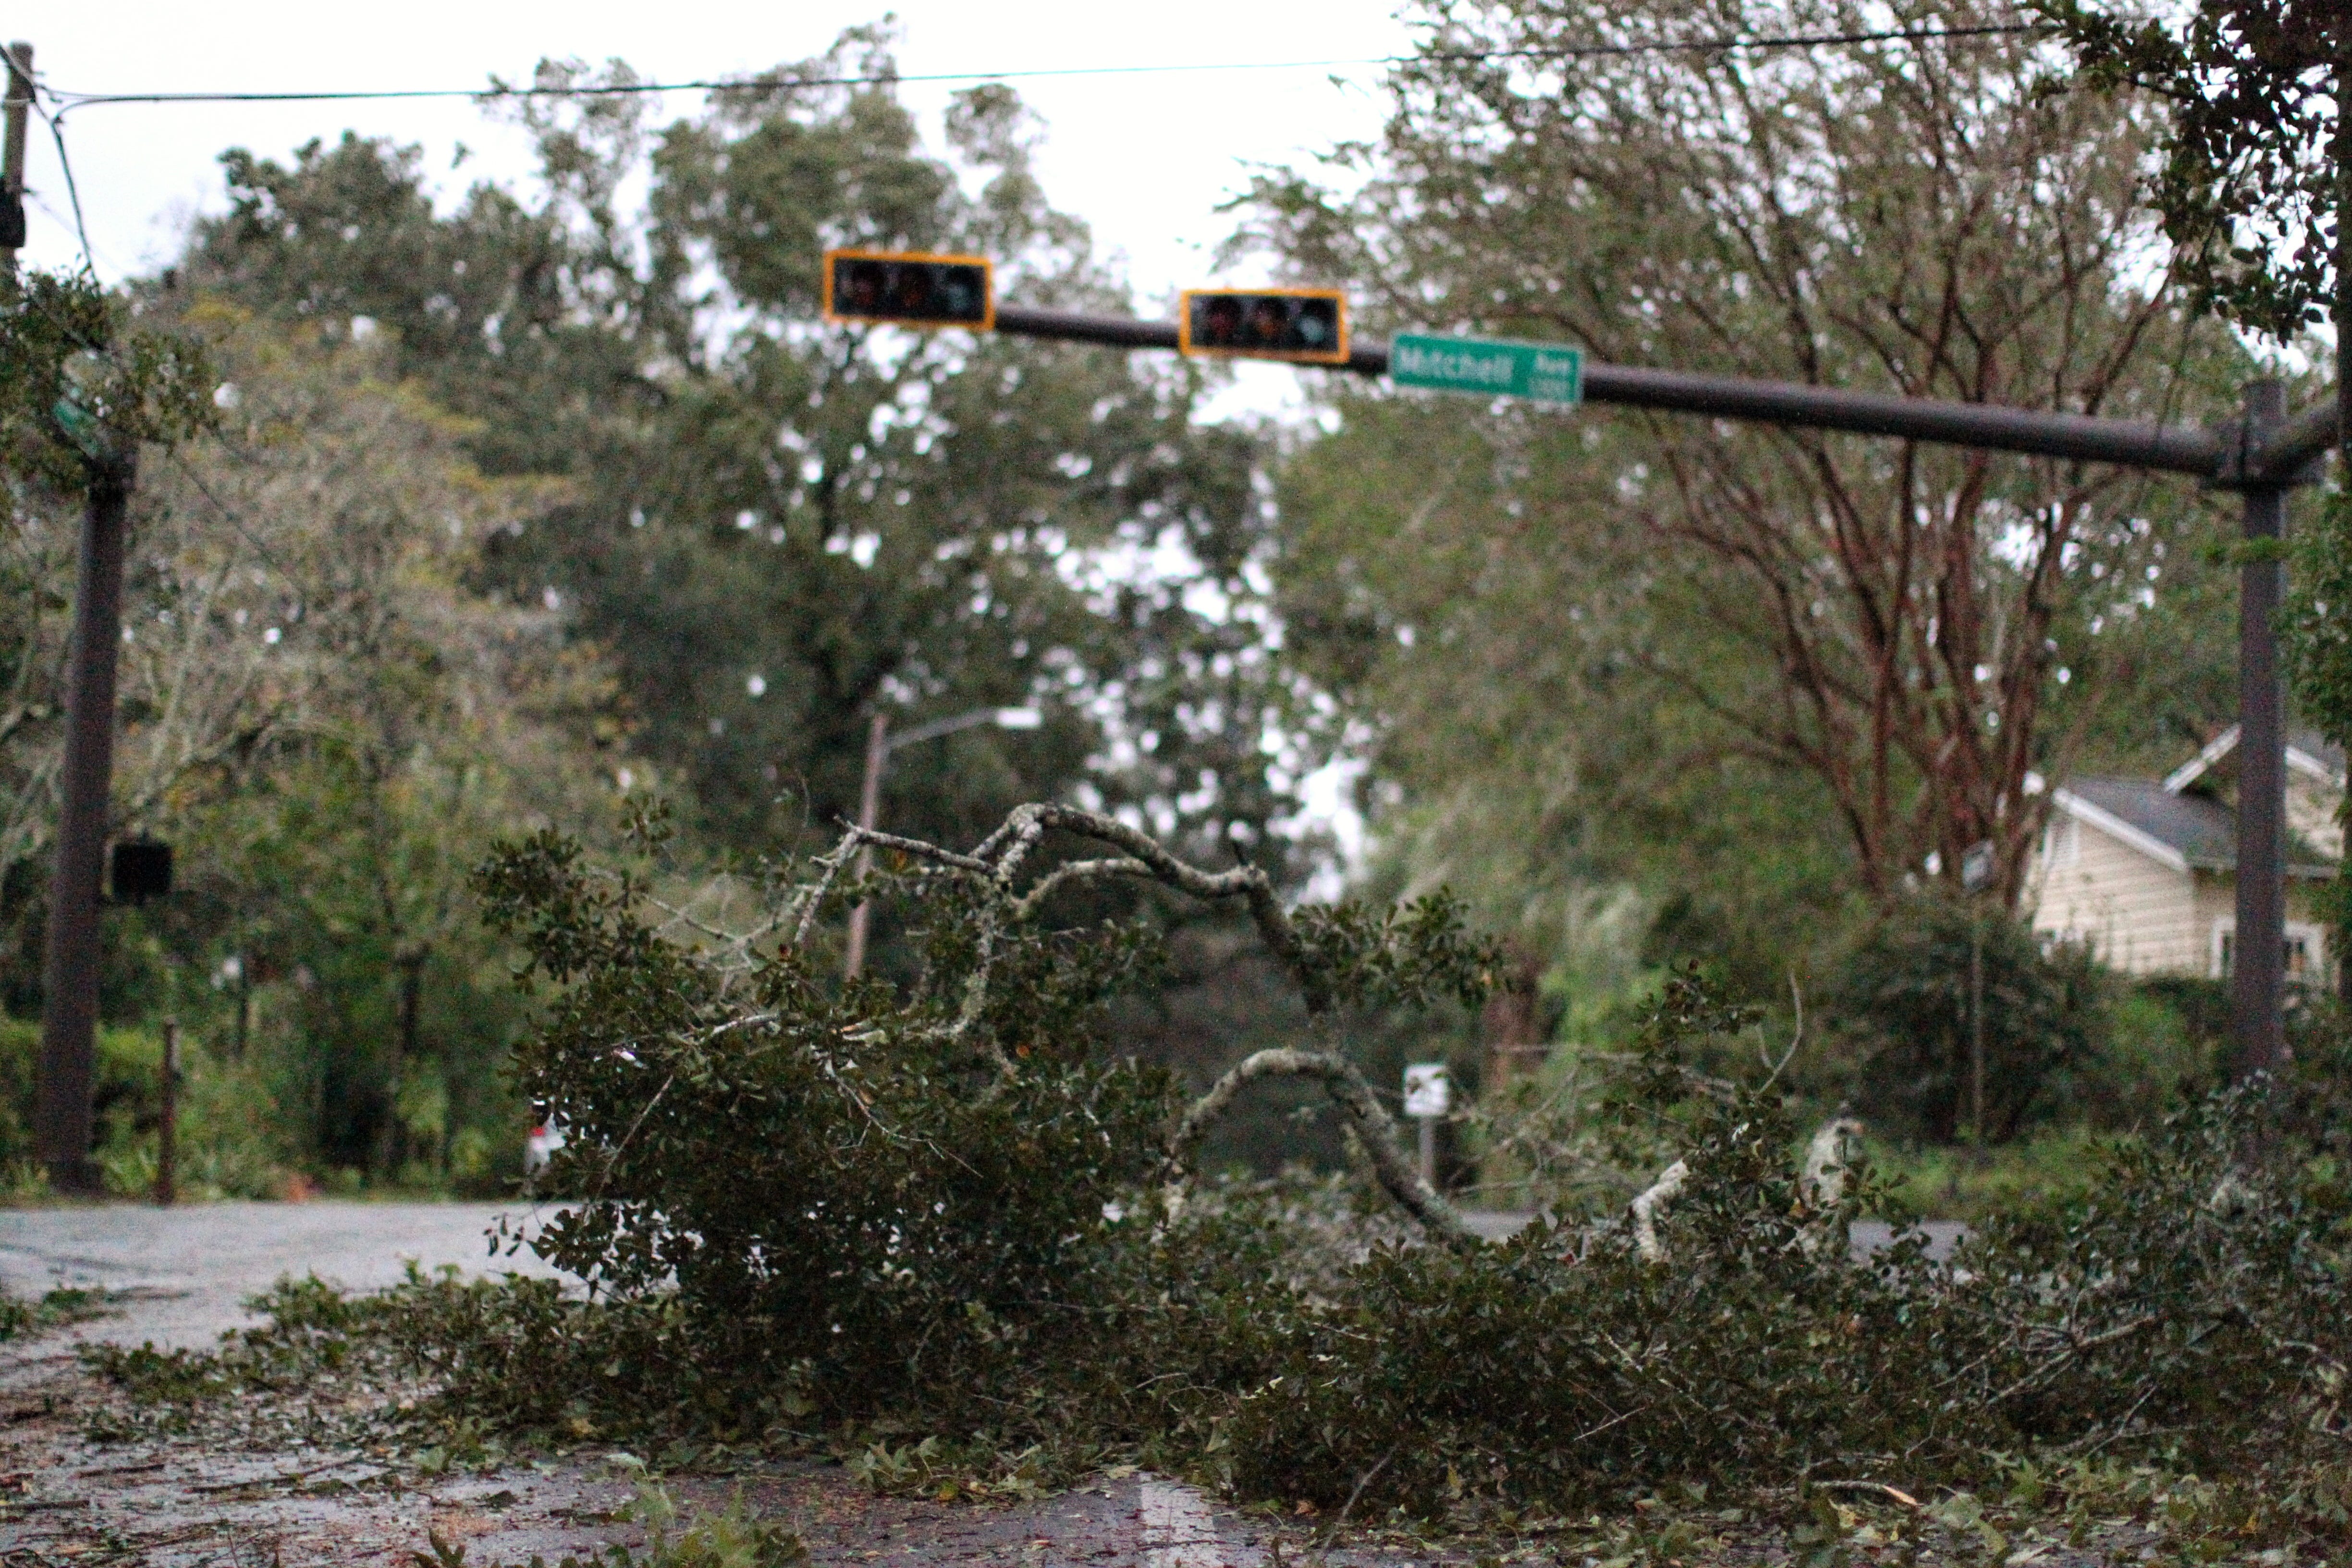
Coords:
pixel 1970 1185
pixel 20 1318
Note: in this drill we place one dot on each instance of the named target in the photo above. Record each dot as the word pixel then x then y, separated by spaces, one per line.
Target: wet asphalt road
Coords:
pixel 182 1277
pixel 187 1271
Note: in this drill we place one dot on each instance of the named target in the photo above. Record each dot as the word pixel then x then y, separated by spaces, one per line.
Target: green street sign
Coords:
pixel 1491 367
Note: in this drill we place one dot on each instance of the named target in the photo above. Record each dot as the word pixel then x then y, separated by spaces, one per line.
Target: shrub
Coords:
pixel 878 1196
pixel 228 1140
pixel 1906 992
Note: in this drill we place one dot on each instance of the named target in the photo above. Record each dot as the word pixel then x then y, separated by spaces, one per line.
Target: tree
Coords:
pixel 776 529
pixel 1915 633
pixel 330 724
pixel 2257 173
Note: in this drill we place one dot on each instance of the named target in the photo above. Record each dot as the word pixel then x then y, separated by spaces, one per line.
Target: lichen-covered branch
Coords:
pixel 1374 1128
pixel 997 861
pixel 1646 1207
pixel 1033 900
pixel 1246 882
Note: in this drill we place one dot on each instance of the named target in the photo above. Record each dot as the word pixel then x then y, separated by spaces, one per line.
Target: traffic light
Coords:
pixel 912 291
pixel 1305 324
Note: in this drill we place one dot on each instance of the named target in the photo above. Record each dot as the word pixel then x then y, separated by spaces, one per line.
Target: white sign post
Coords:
pixel 1428 1096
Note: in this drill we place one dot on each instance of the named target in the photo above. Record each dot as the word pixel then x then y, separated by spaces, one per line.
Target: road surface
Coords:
pixel 184 1276
pixel 186 1272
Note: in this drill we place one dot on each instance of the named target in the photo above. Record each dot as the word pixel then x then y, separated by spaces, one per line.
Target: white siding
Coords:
pixel 2139 917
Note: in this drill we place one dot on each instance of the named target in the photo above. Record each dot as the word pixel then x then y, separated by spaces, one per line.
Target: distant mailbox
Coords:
pixel 141 870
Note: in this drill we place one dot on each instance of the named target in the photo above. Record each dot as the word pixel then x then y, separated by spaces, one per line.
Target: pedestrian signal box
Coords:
pixel 912 290
pixel 141 870
pixel 1310 325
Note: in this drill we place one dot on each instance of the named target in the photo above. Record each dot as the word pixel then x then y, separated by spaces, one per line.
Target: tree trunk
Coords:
pixel 1511 1023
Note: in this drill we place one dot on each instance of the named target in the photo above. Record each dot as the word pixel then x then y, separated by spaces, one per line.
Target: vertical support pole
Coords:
pixel 1976 1032
pixel 15 108
pixel 2258 963
pixel 61 1113
pixel 167 1133
pixel 869 807
pixel 1428 1151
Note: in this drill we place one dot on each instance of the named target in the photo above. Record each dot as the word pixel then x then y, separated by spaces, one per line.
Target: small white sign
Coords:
pixel 1427 1091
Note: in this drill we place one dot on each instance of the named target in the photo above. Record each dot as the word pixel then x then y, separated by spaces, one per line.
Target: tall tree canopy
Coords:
pixel 1894 639
pixel 775 528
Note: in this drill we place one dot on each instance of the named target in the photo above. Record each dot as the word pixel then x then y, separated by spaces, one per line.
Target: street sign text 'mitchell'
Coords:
pixel 1491 367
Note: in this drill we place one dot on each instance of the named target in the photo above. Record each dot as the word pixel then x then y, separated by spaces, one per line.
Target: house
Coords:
pixel 2144 870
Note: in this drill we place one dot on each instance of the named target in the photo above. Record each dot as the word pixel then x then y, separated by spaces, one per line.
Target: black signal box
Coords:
pixel 910 290
pixel 1307 325
pixel 139 869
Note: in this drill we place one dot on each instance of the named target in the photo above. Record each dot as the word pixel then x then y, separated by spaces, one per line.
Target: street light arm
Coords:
pixel 1005 718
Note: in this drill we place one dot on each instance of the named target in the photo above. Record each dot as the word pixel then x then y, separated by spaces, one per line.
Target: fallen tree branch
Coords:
pixel 998 860
pixel 1644 1210
pixel 1030 902
pixel 1373 1127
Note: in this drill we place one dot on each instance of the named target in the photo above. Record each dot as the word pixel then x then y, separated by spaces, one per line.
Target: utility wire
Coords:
pixel 70 101
pixel 73 191
pixel 55 122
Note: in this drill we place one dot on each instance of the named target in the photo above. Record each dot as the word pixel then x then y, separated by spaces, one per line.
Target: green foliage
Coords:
pixel 1404 956
pixel 2252 186
pixel 2316 629
pixel 80 389
pixel 2317 623
pixel 1909 990
pixel 771 530
pixel 732 1538
pixel 63 1304
pixel 2046 1166
pixel 954 1219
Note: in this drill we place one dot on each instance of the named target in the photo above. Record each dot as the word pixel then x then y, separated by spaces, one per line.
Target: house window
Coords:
pixel 2305 951
pixel 2062 842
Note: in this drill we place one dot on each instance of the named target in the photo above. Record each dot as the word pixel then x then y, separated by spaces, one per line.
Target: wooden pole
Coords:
pixel 16 106
pixel 2258 951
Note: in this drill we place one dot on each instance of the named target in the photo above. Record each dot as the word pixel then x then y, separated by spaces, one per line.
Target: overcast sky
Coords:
pixel 1144 158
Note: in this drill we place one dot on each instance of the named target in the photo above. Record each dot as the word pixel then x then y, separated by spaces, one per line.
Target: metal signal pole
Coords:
pixel 2258 951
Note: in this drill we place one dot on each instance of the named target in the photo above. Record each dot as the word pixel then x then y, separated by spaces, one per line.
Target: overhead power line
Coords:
pixel 66 100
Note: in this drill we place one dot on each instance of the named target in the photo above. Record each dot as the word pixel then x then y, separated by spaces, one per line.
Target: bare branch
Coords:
pixel 1373 1126
pixel 814 897
pixel 1028 905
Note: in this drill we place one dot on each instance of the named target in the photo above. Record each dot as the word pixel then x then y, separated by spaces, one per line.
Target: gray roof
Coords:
pixel 2201 830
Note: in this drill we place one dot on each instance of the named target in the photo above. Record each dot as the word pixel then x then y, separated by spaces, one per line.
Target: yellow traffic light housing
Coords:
pixel 910 289
pixel 1306 325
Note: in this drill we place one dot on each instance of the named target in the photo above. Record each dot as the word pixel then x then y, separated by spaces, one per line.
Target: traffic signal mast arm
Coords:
pixel 2223 457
